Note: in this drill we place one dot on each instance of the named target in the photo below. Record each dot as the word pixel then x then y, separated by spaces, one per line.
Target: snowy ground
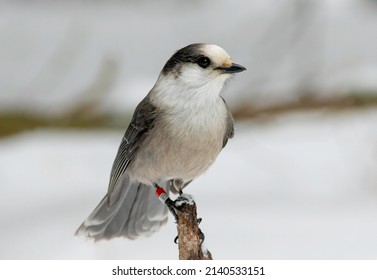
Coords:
pixel 301 187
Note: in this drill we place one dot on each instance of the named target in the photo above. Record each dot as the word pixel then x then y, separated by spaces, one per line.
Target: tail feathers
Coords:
pixel 134 211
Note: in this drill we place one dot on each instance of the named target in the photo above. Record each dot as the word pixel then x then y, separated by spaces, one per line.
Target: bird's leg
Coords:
pixel 165 199
pixel 175 206
pixel 172 208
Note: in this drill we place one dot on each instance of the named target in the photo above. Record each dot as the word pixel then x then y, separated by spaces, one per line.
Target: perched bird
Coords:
pixel 175 134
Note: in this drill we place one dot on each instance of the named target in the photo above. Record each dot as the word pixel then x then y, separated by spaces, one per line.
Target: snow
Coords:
pixel 185 199
pixel 302 186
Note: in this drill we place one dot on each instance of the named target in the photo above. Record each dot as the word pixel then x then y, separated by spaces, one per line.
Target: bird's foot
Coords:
pixel 174 205
pixel 184 199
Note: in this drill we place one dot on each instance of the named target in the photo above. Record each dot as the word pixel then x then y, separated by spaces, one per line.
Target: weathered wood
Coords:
pixel 190 237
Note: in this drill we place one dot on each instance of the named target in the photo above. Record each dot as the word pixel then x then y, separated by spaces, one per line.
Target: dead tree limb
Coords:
pixel 190 237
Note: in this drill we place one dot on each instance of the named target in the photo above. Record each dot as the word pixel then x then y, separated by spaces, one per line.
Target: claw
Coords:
pixel 201 236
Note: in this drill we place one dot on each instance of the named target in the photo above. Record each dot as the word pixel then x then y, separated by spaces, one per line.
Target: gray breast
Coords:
pixel 180 147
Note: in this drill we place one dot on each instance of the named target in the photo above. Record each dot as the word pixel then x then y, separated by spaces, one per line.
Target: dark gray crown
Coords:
pixel 190 53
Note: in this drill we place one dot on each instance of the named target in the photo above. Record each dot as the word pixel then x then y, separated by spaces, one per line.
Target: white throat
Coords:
pixel 175 93
pixel 192 110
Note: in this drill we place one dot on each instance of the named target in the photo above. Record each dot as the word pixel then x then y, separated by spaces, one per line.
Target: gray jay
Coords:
pixel 175 134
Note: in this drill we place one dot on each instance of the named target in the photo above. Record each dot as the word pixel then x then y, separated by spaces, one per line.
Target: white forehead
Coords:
pixel 217 54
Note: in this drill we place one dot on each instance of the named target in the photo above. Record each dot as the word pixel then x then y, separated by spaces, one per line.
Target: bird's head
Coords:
pixel 198 65
pixel 194 75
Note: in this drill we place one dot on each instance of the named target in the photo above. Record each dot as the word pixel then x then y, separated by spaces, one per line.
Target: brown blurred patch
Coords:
pixel 247 111
pixel 86 115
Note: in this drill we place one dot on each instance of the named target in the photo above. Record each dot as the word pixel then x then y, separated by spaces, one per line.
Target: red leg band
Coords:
pixel 161 194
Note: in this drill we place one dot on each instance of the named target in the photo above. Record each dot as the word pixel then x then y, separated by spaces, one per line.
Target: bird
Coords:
pixel 175 134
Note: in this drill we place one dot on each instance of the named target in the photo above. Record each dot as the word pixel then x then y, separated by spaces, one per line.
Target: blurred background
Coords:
pixel 298 181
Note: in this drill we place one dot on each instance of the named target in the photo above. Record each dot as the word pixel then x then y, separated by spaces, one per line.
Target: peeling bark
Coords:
pixel 190 237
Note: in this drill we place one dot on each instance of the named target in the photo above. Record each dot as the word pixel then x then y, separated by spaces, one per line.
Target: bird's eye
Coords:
pixel 203 62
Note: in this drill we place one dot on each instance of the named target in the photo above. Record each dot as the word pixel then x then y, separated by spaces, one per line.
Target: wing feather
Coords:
pixel 229 131
pixel 142 122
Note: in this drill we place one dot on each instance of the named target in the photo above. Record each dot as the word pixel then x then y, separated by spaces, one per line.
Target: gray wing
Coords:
pixel 229 131
pixel 142 122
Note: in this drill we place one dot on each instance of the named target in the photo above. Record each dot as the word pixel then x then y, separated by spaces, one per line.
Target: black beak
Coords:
pixel 234 68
